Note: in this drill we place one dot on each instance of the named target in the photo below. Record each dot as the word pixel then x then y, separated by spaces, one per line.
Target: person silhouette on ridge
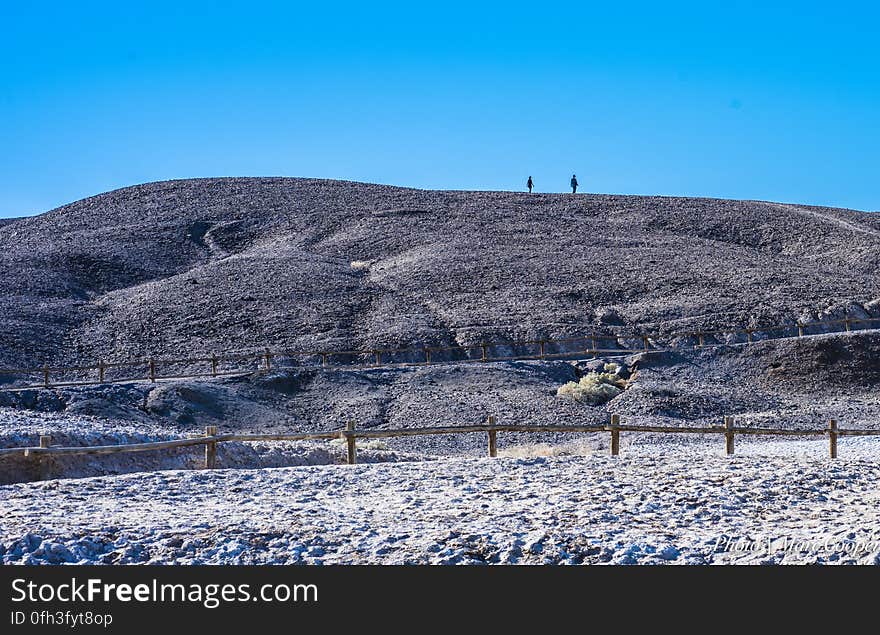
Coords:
pixel 530 185
pixel 574 184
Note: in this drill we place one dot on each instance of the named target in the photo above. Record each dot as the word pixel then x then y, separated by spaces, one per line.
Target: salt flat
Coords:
pixel 779 502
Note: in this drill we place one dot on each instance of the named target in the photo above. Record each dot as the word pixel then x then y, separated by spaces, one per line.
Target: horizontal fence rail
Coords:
pixel 490 428
pixel 622 342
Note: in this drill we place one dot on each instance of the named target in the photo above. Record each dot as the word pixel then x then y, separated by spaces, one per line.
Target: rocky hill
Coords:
pixel 184 267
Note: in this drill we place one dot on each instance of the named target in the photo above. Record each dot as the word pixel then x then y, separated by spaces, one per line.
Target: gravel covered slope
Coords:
pixel 784 383
pixel 683 505
pixel 230 264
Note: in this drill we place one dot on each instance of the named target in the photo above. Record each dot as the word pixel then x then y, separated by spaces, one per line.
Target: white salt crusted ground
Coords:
pixel 670 505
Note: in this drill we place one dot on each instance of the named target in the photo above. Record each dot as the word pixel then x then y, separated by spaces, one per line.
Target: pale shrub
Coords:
pixel 547 450
pixel 593 388
pixel 360 265
pixel 372 444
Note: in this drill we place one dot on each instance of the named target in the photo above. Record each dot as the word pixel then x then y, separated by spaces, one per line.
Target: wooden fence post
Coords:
pixel 268 357
pixel 542 342
pixel 728 435
pixel 846 322
pixel 210 448
pixel 427 356
pixel 700 336
pixel 645 340
pixel 493 437
pixel 324 360
pixel 800 329
pixel 213 364
pixel 152 370
pixel 101 369
pixel 485 352
pixel 749 333
pixel 46 375
pixel 351 443
pixel 593 342
pixel 832 438
pixel 615 434
pixel 43 461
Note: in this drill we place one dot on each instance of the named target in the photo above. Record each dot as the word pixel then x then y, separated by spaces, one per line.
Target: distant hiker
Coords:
pixel 574 184
pixel 530 185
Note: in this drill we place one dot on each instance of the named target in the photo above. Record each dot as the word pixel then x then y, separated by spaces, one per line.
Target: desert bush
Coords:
pixel 546 450
pixel 593 388
pixel 372 444
pixel 360 265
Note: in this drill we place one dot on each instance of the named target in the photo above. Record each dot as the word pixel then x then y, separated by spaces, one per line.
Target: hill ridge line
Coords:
pixel 868 231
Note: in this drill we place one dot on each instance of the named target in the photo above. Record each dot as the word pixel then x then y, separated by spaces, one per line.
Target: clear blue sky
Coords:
pixel 775 101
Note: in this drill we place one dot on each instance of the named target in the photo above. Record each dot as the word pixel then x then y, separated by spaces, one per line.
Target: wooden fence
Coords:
pixel 626 340
pixel 491 428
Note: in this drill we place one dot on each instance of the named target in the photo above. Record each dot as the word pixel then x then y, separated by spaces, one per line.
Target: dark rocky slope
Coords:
pixel 184 267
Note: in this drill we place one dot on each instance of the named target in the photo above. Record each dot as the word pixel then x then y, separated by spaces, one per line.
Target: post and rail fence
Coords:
pixel 231 364
pixel 491 428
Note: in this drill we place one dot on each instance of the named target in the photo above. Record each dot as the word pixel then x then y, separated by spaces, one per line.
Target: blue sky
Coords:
pixel 775 101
